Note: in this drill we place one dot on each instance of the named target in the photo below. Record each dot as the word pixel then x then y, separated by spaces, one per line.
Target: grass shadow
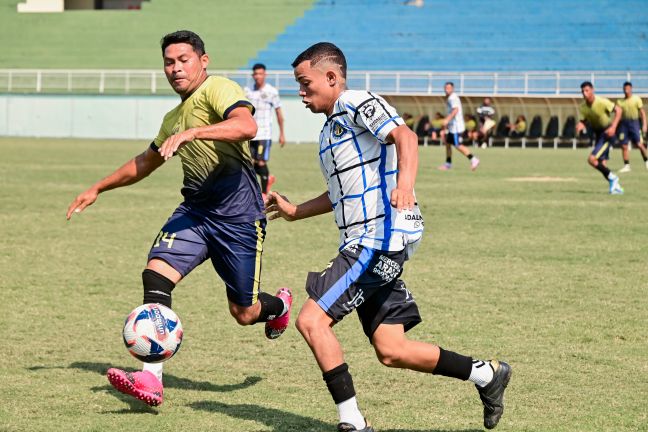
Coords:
pixel 173 381
pixel 281 421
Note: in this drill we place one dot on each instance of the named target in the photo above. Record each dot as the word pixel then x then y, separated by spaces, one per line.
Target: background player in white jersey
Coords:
pixel 369 159
pixel 455 124
pixel 265 99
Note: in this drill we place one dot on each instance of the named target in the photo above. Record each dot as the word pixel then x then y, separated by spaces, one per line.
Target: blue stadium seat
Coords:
pixel 464 35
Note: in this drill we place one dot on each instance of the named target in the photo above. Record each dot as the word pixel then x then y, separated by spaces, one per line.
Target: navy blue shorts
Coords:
pixel 368 281
pixel 188 238
pixel 454 138
pixel 629 130
pixel 260 149
pixel 602 145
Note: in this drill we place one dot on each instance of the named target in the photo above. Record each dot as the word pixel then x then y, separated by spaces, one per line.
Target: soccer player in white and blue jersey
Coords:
pixel 454 121
pixel 369 159
pixel 265 99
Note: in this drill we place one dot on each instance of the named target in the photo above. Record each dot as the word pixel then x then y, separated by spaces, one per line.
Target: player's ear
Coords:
pixel 204 59
pixel 331 78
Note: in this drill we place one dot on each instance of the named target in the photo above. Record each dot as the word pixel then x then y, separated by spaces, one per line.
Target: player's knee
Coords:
pixel 389 355
pixel 243 315
pixel 307 324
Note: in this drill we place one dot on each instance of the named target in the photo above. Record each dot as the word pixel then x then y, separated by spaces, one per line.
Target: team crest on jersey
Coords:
pixel 338 130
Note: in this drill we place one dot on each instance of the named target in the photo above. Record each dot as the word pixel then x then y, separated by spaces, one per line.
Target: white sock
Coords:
pixel 481 373
pixel 350 413
pixel 154 368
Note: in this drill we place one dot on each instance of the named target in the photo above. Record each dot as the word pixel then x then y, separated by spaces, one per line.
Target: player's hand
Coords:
pixel 278 206
pixel 402 199
pixel 282 140
pixel 610 132
pixel 82 201
pixel 171 145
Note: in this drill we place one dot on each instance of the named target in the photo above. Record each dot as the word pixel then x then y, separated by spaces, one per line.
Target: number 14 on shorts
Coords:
pixel 166 238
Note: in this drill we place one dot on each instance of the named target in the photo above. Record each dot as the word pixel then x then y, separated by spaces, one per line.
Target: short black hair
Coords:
pixel 258 66
pixel 321 51
pixel 586 84
pixel 627 83
pixel 450 83
pixel 184 36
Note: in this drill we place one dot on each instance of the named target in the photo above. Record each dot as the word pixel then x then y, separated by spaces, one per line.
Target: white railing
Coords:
pixel 545 84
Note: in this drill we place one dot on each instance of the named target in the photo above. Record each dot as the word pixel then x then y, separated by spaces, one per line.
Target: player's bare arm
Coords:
pixel 278 206
pixel 450 116
pixel 131 172
pixel 611 131
pixel 402 197
pixel 239 126
pixel 580 126
pixel 644 126
pixel 280 121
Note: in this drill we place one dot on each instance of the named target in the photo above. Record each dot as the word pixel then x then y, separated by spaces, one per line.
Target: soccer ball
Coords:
pixel 152 333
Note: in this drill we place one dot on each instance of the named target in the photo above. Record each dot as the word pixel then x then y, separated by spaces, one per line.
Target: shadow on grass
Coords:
pixel 170 381
pixel 282 420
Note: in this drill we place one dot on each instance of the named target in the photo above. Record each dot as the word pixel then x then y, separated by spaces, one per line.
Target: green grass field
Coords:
pixel 550 276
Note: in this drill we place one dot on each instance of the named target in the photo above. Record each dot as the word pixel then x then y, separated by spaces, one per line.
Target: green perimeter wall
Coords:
pixel 234 32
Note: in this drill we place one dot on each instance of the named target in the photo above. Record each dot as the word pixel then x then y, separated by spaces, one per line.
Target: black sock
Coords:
pixel 453 365
pixel 604 170
pixel 271 307
pixel 470 156
pixel 626 162
pixel 339 383
pixel 645 158
pixel 449 160
pixel 263 172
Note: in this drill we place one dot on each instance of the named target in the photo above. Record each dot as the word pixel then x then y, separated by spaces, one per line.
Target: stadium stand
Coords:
pixel 233 31
pixel 465 35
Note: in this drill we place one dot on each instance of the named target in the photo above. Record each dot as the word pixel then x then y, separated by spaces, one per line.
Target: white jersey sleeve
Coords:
pixel 276 102
pixel 371 112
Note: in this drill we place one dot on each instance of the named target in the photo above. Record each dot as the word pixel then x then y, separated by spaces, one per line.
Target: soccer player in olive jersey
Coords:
pixel 602 116
pixel 369 159
pixel 630 128
pixel 221 217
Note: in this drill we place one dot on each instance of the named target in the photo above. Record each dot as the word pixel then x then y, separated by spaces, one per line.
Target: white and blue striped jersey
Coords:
pixel 265 101
pixel 456 125
pixel 361 170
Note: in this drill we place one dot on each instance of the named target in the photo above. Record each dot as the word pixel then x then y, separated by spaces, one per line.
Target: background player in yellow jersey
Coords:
pixel 602 116
pixel 221 217
pixel 629 127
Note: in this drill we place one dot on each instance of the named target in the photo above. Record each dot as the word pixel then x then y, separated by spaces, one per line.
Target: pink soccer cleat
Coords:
pixel 275 328
pixel 141 385
pixel 445 167
pixel 474 163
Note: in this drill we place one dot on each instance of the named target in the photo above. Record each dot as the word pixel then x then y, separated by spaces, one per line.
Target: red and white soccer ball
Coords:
pixel 152 333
